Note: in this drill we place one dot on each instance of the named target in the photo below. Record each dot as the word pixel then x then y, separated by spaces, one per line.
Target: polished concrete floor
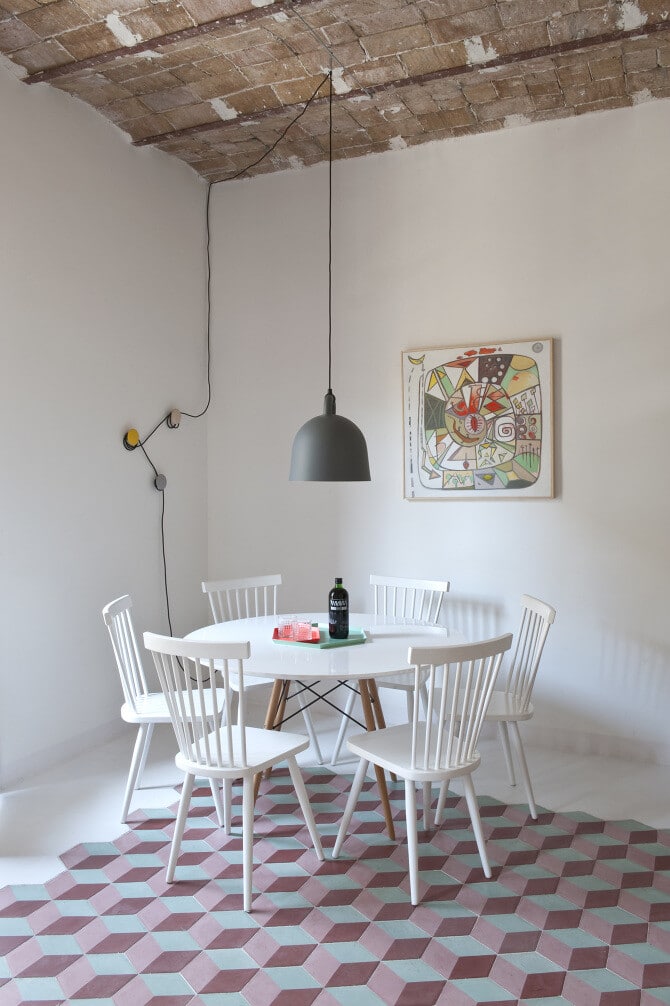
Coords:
pixel 80 801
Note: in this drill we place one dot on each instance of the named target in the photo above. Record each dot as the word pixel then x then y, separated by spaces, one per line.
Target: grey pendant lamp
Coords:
pixel 329 448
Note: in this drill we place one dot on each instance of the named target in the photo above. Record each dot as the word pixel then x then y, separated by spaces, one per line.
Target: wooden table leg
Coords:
pixel 378 713
pixel 271 719
pixel 366 702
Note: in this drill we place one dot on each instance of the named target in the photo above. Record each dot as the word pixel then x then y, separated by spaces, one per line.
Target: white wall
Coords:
pixel 555 230
pixel 103 321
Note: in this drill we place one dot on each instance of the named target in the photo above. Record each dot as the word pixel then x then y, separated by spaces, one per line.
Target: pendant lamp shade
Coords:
pixel 329 448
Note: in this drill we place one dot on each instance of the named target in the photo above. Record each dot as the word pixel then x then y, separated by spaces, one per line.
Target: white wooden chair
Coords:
pixel 411 601
pixel 250 597
pixel 186 670
pixel 141 706
pixel 509 707
pixel 460 681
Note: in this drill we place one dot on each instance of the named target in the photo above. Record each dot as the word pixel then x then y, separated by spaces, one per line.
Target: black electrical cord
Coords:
pixel 197 415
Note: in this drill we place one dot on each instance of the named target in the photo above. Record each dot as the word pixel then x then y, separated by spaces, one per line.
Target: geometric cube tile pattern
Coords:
pixel 577 912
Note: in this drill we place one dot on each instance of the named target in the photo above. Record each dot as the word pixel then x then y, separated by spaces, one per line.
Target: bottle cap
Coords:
pixel 338 579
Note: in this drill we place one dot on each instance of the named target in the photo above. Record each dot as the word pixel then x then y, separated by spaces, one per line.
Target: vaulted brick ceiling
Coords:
pixel 216 82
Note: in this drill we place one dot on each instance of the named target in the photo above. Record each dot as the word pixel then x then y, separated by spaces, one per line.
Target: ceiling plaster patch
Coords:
pixel 631 16
pixel 120 31
pixel 340 85
pixel 510 121
pixel 261 3
pixel 280 17
pixel 397 143
pixel 476 52
pixel 223 110
pixel 296 163
pixel 640 97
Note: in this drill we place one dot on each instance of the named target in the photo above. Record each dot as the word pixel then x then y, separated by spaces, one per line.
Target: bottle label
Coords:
pixel 337 603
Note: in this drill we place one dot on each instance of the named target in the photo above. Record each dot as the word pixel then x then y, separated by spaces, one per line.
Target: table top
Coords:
pixel 384 652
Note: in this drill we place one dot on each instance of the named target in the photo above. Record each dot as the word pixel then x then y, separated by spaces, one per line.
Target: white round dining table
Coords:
pixel 384 652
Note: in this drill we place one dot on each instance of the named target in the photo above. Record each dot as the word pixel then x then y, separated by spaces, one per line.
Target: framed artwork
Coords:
pixel 477 421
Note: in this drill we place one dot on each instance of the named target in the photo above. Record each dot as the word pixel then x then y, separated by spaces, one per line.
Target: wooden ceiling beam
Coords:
pixel 559 49
pixel 159 41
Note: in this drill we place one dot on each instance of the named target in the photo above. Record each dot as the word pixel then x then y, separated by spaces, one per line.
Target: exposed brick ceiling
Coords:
pixel 216 82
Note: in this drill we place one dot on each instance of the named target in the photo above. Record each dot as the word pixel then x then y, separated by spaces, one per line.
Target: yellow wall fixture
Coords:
pixel 131 440
pixel 329 448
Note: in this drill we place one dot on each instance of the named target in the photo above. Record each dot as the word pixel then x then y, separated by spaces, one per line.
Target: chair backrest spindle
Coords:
pixel 460 680
pixel 193 677
pixel 119 622
pixel 536 620
pixel 412 600
pixel 247 597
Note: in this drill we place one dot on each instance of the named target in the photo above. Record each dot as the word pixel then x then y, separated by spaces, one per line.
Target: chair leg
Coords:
pixel 523 765
pixel 348 709
pixel 352 800
pixel 137 763
pixel 303 799
pixel 412 840
pixel 311 732
pixel 441 801
pixel 247 838
pixel 504 740
pixel 426 804
pixel 473 807
pixel 218 803
pixel 180 824
pixel 227 804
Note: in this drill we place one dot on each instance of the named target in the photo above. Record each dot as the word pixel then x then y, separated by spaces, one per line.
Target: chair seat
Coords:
pixel 504 706
pixel 152 708
pixel 392 749
pixel 264 748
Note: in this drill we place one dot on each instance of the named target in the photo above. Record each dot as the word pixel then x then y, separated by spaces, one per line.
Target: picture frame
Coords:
pixel 478 421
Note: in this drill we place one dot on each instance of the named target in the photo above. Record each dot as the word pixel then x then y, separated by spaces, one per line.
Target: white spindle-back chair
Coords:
pixel 251 597
pixel 186 670
pixel 247 597
pixel 509 707
pixel 141 706
pixel 443 745
pixel 408 600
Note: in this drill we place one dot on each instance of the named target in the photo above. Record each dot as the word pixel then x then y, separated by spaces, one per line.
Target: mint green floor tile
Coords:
pixel 125 924
pixel 576 938
pixel 342 913
pixel 231 959
pixel 401 929
pixel 645 953
pixel 290 936
pixel 291 978
pixel 531 963
pixel 38 989
pixel 110 964
pixel 350 953
pixel 58 945
pixel 355 995
pixel 15 927
pixel 175 940
pixel 75 908
pixel 603 980
pixel 414 971
pixel 167 985
pixel 221 999
pixel 510 923
pixel 481 990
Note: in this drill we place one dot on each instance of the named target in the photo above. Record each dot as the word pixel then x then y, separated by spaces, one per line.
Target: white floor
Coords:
pixel 80 802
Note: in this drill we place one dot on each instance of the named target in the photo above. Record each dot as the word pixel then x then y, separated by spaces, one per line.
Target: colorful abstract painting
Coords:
pixel 478 421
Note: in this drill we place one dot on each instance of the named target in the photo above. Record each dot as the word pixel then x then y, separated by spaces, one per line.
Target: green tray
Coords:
pixel 325 642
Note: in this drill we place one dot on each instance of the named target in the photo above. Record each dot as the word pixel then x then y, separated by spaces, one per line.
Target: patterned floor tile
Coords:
pixel 577 912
